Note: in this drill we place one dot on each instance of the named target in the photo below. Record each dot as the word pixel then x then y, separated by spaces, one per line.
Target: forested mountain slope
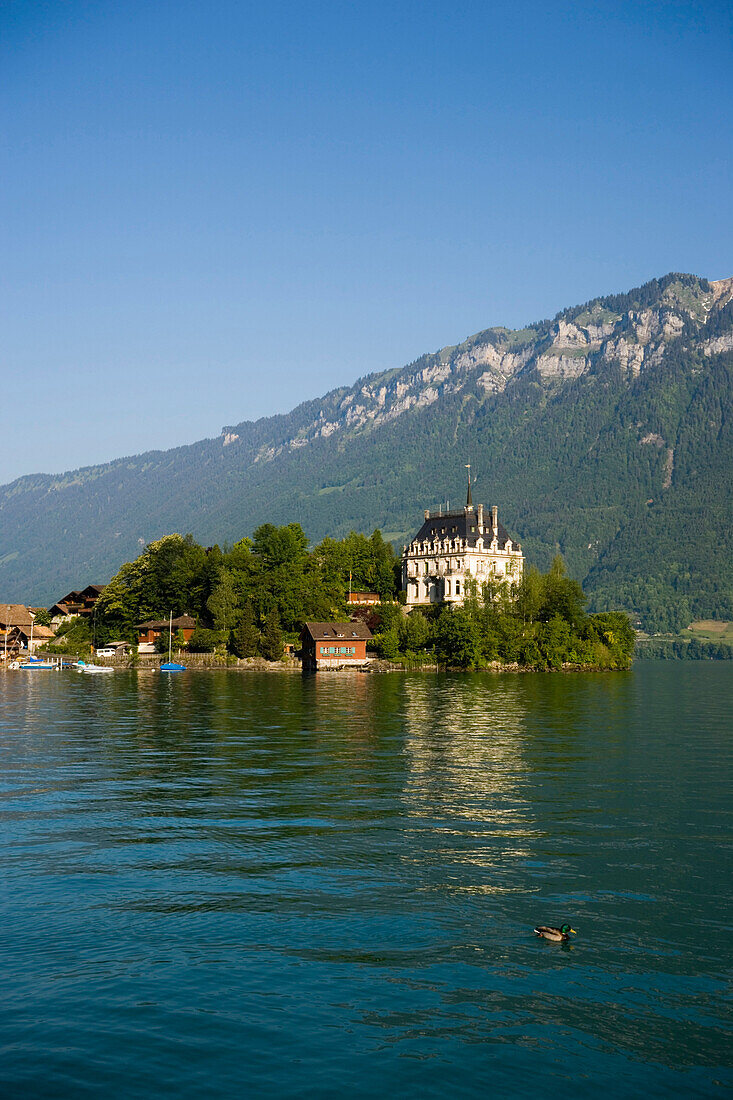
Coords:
pixel 605 433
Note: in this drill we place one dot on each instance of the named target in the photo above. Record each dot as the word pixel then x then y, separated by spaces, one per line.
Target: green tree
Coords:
pixel 387 644
pixel 530 594
pixel 167 577
pixel 245 640
pixel 271 643
pixel 203 640
pixel 562 596
pixel 223 602
pixel 414 632
pixel 457 639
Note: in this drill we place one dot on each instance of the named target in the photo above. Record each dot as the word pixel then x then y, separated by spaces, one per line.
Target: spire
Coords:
pixel 469 502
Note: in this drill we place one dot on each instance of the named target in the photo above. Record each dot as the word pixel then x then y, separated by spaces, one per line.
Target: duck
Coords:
pixel 558 935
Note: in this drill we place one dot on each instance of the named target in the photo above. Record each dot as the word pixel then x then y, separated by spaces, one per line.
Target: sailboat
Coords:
pixel 171 666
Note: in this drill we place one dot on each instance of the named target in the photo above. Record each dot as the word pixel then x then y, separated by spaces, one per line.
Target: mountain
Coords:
pixel 604 433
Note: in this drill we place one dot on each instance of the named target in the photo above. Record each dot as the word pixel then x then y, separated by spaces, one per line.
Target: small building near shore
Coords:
pixel 149 632
pixel 334 645
pixel 75 603
pixel 19 633
pixel 363 599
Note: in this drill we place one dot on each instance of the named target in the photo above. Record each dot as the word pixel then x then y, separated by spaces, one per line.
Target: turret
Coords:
pixel 495 522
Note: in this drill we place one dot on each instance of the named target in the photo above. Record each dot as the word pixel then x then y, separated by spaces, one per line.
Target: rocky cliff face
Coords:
pixel 576 342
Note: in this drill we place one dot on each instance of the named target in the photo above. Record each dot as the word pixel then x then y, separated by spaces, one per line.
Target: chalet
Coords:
pixel 334 645
pixel 149 632
pixel 19 634
pixel 13 643
pixel 452 547
pixel 363 599
pixel 76 603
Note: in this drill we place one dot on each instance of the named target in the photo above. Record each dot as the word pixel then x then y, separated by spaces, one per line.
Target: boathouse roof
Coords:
pixel 321 631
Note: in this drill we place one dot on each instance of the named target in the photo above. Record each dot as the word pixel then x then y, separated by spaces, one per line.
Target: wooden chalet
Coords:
pixel 149 632
pixel 76 603
pixel 19 634
pixel 334 645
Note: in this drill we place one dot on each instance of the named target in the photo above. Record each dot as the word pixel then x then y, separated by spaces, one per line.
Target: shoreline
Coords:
pixel 205 662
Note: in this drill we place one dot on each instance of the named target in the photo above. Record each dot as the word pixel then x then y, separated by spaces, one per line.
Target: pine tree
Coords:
pixel 245 636
pixel 271 641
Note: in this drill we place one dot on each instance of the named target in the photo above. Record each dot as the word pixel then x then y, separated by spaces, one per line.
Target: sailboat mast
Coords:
pixel 170 636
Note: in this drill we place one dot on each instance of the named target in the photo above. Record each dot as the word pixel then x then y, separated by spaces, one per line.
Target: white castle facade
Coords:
pixel 450 547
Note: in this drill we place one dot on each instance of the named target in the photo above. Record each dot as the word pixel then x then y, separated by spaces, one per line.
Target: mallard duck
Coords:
pixel 559 935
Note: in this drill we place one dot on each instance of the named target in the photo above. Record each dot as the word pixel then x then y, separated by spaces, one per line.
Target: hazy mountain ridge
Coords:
pixel 597 432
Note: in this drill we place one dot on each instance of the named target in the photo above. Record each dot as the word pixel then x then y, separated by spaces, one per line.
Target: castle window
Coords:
pixel 447 588
pixel 458 588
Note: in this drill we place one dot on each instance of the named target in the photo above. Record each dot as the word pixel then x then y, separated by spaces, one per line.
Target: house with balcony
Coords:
pixel 149 632
pixel 78 602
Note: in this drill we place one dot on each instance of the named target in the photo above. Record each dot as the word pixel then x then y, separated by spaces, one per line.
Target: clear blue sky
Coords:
pixel 211 212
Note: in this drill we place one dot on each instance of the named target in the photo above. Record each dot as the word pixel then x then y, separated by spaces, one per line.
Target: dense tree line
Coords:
pixel 543 625
pixel 677 649
pixel 248 597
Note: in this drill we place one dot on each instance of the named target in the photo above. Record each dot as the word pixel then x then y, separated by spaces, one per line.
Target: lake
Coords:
pixel 224 883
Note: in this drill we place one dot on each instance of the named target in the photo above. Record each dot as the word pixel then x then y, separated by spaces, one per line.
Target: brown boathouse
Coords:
pixel 334 645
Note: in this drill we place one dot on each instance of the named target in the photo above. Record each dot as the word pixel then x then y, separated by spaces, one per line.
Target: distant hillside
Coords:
pixel 605 433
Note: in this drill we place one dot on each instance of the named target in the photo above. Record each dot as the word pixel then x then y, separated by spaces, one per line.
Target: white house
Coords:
pixel 453 546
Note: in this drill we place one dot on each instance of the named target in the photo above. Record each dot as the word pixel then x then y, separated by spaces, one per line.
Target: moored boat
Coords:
pixel 171 666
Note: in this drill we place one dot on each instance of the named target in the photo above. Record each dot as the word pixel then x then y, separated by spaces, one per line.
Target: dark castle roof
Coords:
pixel 463 525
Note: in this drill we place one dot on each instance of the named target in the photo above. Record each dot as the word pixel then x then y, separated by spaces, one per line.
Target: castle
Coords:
pixel 452 546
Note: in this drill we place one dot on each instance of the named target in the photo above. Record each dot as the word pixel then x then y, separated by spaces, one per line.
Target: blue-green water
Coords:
pixel 241 884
